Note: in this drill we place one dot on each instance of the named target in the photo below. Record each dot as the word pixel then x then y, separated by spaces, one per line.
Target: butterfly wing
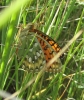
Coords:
pixel 50 49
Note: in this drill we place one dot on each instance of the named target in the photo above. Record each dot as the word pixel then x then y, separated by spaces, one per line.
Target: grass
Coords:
pixel 61 20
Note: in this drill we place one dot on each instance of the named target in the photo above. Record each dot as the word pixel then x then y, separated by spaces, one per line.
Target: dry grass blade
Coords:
pixel 19 91
pixel 65 47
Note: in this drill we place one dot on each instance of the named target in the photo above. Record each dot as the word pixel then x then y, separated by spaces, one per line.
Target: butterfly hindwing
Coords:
pixel 34 58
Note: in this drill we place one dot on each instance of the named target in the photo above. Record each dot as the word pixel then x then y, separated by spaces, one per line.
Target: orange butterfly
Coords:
pixel 40 52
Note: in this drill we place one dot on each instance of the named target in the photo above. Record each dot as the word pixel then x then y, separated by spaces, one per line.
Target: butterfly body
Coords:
pixel 42 49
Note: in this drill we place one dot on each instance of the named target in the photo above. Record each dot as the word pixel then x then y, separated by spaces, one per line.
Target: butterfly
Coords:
pixel 41 49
